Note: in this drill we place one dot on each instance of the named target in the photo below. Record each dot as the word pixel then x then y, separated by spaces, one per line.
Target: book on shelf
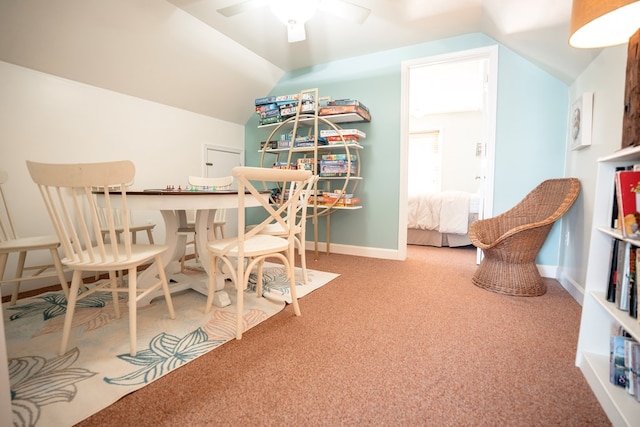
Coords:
pixel 635 375
pixel 627 188
pixel 617 370
pixel 629 365
pixel 622 284
pixel 613 271
pixel 633 284
pixel 615 220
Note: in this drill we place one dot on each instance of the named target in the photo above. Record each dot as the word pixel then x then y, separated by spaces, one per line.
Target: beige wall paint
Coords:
pixel 50 119
pixel 604 77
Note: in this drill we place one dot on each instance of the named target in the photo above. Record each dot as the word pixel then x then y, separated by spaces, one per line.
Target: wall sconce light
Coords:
pixel 601 23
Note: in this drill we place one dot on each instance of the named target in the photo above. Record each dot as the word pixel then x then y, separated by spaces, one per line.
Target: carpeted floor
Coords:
pixel 393 343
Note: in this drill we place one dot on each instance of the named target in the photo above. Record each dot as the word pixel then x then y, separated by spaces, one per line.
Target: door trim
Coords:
pixel 490 53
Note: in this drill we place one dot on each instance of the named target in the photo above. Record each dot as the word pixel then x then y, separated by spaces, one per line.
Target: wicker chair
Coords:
pixel 511 241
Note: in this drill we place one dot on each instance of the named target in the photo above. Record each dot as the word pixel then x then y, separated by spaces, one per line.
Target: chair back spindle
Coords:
pixel 76 196
pixel 76 213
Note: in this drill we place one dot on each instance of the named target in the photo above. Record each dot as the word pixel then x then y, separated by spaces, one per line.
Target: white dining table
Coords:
pixel 173 205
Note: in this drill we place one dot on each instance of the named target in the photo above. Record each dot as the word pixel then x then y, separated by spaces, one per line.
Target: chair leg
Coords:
pixel 132 310
pixel 211 281
pixel 165 287
pixel 71 306
pixel 303 260
pixel 239 312
pixel 113 278
pixel 260 279
pixel 242 277
pixel 292 286
pixel 150 237
pixel 58 266
pixel 19 270
pixel 3 264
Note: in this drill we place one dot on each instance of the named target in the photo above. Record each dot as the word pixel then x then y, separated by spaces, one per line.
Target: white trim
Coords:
pixel 362 251
pixel 207 146
pixel 571 286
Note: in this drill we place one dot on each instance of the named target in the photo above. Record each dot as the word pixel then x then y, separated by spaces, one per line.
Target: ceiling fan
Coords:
pixel 294 13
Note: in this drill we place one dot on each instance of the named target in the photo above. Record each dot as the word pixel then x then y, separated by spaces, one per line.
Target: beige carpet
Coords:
pixel 388 343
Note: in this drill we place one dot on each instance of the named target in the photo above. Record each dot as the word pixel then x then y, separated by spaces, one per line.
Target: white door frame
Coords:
pixel 206 148
pixel 490 53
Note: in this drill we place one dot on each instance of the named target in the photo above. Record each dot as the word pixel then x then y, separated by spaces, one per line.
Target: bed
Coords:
pixel 441 218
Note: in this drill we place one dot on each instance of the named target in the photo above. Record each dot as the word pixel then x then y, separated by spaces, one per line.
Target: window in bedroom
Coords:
pixel 425 162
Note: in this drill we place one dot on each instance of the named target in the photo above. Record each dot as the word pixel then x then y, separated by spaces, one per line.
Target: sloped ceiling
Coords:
pixel 185 54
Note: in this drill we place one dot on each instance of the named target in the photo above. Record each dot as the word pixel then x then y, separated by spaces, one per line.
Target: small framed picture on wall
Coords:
pixel 580 116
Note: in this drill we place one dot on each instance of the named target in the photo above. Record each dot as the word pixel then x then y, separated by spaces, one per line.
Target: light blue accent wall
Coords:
pixel 531 128
pixel 531 133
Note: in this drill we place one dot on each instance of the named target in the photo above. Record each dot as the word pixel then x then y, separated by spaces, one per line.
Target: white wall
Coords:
pixel 605 77
pixel 460 133
pixel 50 119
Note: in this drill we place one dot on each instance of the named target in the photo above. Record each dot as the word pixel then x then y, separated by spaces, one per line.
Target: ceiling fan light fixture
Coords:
pixel 293 12
pixel 602 23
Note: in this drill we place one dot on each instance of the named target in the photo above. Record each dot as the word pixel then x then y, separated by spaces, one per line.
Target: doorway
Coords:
pixel 456 68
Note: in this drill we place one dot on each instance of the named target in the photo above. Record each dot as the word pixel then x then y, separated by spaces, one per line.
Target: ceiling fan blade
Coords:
pixel 295 32
pixel 243 6
pixel 345 10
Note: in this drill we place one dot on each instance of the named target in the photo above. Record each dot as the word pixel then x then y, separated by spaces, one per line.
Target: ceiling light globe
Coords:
pixel 598 23
pixel 293 11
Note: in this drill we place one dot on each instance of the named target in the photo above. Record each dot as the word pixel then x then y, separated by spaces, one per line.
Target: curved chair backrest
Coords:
pixel 548 201
pixel 213 183
pixel 544 205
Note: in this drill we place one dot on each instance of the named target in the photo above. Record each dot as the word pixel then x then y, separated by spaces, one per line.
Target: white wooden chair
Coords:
pixel 251 248
pixel 219 221
pixel 133 228
pixel 300 228
pixel 11 242
pixel 67 190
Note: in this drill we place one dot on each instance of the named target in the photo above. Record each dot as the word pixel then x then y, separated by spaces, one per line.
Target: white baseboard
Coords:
pixel 572 286
pixel 392 254
pixel 548 270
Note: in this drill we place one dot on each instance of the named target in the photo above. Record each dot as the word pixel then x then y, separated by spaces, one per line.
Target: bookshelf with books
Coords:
pixel 601 313
pixel 308 134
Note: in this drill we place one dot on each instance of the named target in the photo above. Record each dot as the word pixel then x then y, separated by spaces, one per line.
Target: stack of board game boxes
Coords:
pixel 338 198
pixel 351 136
pixel 345 106
pixel 275 109
pixel 338 165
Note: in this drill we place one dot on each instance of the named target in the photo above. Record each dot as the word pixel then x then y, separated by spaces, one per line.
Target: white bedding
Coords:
pixel 445 212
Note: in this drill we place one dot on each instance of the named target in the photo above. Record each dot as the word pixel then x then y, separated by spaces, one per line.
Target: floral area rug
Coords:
pixel 52 390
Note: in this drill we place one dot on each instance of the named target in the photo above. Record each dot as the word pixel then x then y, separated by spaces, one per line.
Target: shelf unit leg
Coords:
pixel 328 239
pixel 315 237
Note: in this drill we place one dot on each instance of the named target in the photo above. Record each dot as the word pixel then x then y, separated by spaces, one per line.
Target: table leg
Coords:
pixel 203 235
pixel 174 220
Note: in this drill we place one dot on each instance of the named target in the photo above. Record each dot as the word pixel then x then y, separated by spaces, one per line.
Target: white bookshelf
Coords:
pixel 599 315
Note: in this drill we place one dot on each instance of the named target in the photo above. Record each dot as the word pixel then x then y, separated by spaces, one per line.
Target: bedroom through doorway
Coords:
pixel 448 143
